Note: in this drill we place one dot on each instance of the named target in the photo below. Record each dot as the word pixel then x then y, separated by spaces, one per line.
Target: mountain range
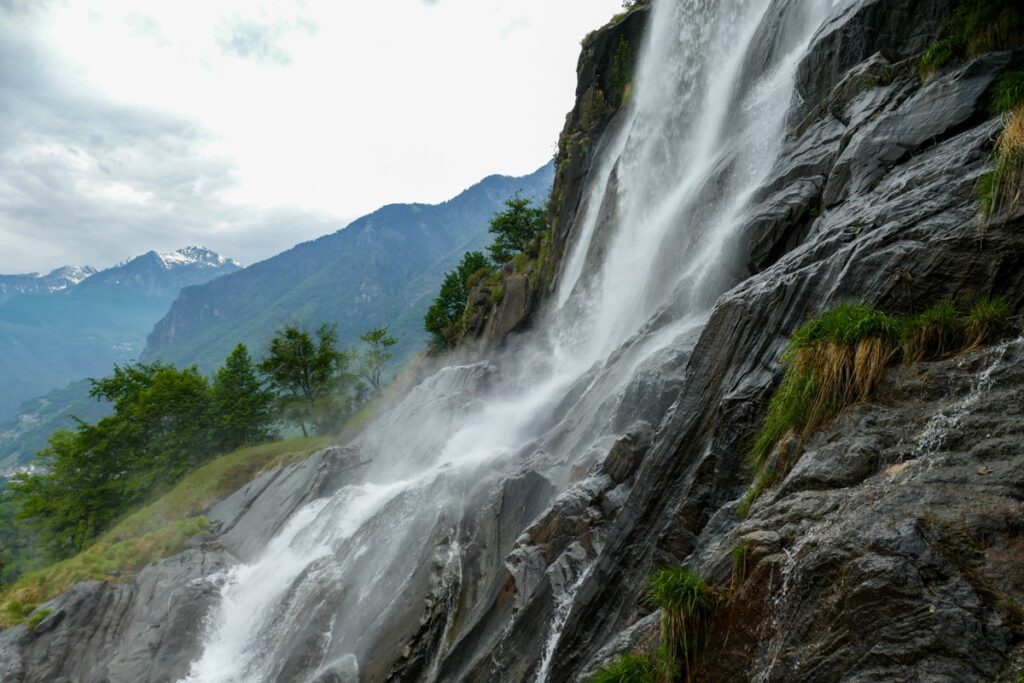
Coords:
pixel 77 322
pixel 383 269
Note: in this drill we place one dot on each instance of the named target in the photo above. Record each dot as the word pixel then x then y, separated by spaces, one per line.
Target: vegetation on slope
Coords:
pixel 520 237
pixel 165 424
pixel 976 27
pixel 157 530
pixel 687 606
pixel 839 358
pixel 1002 189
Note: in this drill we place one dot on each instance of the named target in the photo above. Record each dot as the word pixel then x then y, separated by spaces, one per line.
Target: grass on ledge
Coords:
pixel 839 358
pixel 155 531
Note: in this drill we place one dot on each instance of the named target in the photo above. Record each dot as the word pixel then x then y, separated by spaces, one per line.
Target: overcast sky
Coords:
pixel 247 127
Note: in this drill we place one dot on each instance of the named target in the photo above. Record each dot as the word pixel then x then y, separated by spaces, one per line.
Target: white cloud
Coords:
pixel 251 126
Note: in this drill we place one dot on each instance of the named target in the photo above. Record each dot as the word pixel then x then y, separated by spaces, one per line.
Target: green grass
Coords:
pixel 687 605
pixel 155 531
pixel 988 321
pixel 932 334
pixel 37 617
pixel 630 668
pixel 1009 92
pixel 976 27
pixel 102 561
pixel 838 359
pixel 739 563
pixel 1002 189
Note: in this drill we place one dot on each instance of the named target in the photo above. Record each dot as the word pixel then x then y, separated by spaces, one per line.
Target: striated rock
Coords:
pixel 148 629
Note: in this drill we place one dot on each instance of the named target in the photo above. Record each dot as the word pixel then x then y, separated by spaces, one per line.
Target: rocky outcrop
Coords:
pixel 147 629
pixel 892 551
pixel 873 199
pixel 604 81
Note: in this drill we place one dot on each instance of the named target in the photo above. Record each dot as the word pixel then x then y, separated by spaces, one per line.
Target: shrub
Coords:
pixel 687 605
pixel 630 668
pixel 988 321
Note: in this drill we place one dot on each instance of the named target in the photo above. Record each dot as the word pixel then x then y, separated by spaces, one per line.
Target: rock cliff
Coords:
pixel 893 550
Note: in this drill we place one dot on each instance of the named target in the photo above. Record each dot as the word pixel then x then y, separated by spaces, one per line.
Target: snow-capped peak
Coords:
pixel 67 276
pixel 194 256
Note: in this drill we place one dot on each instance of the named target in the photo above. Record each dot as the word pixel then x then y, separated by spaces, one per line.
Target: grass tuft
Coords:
pixel 1002 189
pixel 933 334
pixel 687 605
pixel 630 668
pixel 988 322
pixel 37 617
pixel 839 358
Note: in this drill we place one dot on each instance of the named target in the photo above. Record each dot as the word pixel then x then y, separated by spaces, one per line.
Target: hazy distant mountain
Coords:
pixel 33 283
pixel 383 269
pixel 55 330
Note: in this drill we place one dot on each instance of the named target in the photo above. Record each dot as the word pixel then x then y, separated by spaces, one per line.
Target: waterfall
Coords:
pixel 712 91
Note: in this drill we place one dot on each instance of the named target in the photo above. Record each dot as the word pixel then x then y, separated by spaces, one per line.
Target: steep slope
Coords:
pixel 383 269
pixel 53 337
pixel 515 506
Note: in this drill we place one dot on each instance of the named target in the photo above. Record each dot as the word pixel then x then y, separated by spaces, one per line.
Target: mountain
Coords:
pixel 57 280
pixel 383 269
pixel 27 432
pixel 769 427
pixel 55 331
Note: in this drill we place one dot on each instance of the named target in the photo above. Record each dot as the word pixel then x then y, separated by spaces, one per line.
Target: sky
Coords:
pixel 249 126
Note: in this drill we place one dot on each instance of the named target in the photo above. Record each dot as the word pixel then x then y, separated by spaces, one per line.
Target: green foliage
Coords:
pixel 1009 92
pixel 444 317
pixel 988 321
pixel 156 530
pixel 840 357
pixel 37 617
pixel 687 605
pixel 242 407
pixel 933 333
pixel 976 27
pixel 515 228
pixel 160 429
pixel 102 561
pixel 739 563
pixel 629 668
pixel 1002 189
pixel 310 377
pixel 375 356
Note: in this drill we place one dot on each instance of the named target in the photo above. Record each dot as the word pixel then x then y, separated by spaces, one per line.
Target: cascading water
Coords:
pixel 705 126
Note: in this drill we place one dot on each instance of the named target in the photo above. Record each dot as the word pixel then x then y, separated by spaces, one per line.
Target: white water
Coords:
pixel 698 138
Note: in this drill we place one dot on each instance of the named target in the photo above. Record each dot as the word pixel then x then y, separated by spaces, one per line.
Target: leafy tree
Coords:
pixel 444 316
pixel 375 355
pixel 242 407
pixel 519 225
pixel 159 430
pixel 310 376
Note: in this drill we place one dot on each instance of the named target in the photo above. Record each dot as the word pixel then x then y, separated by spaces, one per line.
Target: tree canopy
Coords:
pixel 515 229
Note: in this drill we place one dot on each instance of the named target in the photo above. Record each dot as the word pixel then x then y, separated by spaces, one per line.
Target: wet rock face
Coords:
pixel 904 566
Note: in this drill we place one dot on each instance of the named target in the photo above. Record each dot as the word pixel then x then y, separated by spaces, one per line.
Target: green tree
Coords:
pixel 159 430
pixel 444 317
pixel 515 229
pixel 241 406
pixel 310 376
pixel 375 356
